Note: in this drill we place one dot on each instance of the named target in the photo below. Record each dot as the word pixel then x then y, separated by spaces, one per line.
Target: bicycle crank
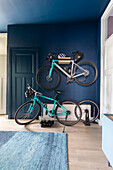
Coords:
pixel 54 113
pixel 69 80
pixel 68 112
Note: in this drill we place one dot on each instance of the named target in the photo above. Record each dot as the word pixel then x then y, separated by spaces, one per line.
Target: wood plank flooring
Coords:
pixel 84 143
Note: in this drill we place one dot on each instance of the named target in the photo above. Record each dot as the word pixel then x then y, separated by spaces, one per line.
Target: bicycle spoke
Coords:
pixel 24 115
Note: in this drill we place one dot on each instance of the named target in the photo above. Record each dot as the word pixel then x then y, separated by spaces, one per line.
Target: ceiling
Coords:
pixel 49 11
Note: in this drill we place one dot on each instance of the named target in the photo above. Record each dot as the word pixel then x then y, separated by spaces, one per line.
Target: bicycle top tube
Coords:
pixel 53 61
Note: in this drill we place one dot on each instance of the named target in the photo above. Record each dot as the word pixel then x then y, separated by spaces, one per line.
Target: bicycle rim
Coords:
pixel 26 113
pixel 93 110
pixel 71 119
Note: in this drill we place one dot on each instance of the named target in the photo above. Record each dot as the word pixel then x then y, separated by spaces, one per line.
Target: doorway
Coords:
pixel 23 65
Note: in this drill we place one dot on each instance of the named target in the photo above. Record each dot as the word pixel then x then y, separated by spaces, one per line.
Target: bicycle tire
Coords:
pixel 44 86
pixel 70 123
pixel 18 114
pixel 97 108
pixel 93 66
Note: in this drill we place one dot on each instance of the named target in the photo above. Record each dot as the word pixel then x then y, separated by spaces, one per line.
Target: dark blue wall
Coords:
pixel 61 38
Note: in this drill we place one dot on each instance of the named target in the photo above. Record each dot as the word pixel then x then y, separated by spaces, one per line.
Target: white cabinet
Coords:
pixel 107 137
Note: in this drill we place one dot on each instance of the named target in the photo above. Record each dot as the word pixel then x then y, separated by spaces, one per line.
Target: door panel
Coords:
pixel 24 64
pixel 24 67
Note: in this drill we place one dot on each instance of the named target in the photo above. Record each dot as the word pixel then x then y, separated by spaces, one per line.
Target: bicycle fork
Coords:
pixel 31 107
pixel 51 69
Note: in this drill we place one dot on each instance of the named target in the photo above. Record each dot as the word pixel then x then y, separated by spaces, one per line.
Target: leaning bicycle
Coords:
pixel 84 72
pixel 63 111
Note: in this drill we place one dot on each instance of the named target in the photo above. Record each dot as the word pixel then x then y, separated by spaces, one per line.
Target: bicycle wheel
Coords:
pixel 93 110
pixel 90 76
pixel 71 119
pixel 26 113
pixel 44 81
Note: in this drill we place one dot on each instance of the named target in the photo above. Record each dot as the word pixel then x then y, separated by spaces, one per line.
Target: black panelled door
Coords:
pixel 24 67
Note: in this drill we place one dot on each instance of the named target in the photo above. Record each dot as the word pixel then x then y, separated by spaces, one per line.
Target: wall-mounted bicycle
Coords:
pixel 85 72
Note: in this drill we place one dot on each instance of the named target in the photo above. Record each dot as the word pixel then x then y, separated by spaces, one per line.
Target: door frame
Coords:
pixel 9 76
pixel 104 30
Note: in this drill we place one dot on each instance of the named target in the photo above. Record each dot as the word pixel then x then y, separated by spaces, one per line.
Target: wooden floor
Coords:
pixel 84 143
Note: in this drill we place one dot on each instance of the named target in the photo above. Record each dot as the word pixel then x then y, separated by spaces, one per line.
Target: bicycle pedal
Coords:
pixel 84 78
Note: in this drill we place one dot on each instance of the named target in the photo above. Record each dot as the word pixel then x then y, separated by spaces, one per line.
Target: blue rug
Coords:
pixel 33 151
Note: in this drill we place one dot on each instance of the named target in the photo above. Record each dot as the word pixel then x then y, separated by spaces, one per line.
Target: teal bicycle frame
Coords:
pixel 55 102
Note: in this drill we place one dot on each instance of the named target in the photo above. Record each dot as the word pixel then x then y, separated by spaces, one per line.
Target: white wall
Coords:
pixel 3 67
pixel 108 76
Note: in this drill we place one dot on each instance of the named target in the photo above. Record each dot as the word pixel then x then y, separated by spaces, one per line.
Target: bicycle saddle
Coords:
pixel 78 56
pixel 58 91
pixel 75 52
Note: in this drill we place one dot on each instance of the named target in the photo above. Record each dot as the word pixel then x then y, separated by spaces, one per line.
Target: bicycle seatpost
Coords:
pixel 56 96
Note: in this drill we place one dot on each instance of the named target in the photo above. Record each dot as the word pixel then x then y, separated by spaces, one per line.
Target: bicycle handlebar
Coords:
pixel 36 92
pixel 50 56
